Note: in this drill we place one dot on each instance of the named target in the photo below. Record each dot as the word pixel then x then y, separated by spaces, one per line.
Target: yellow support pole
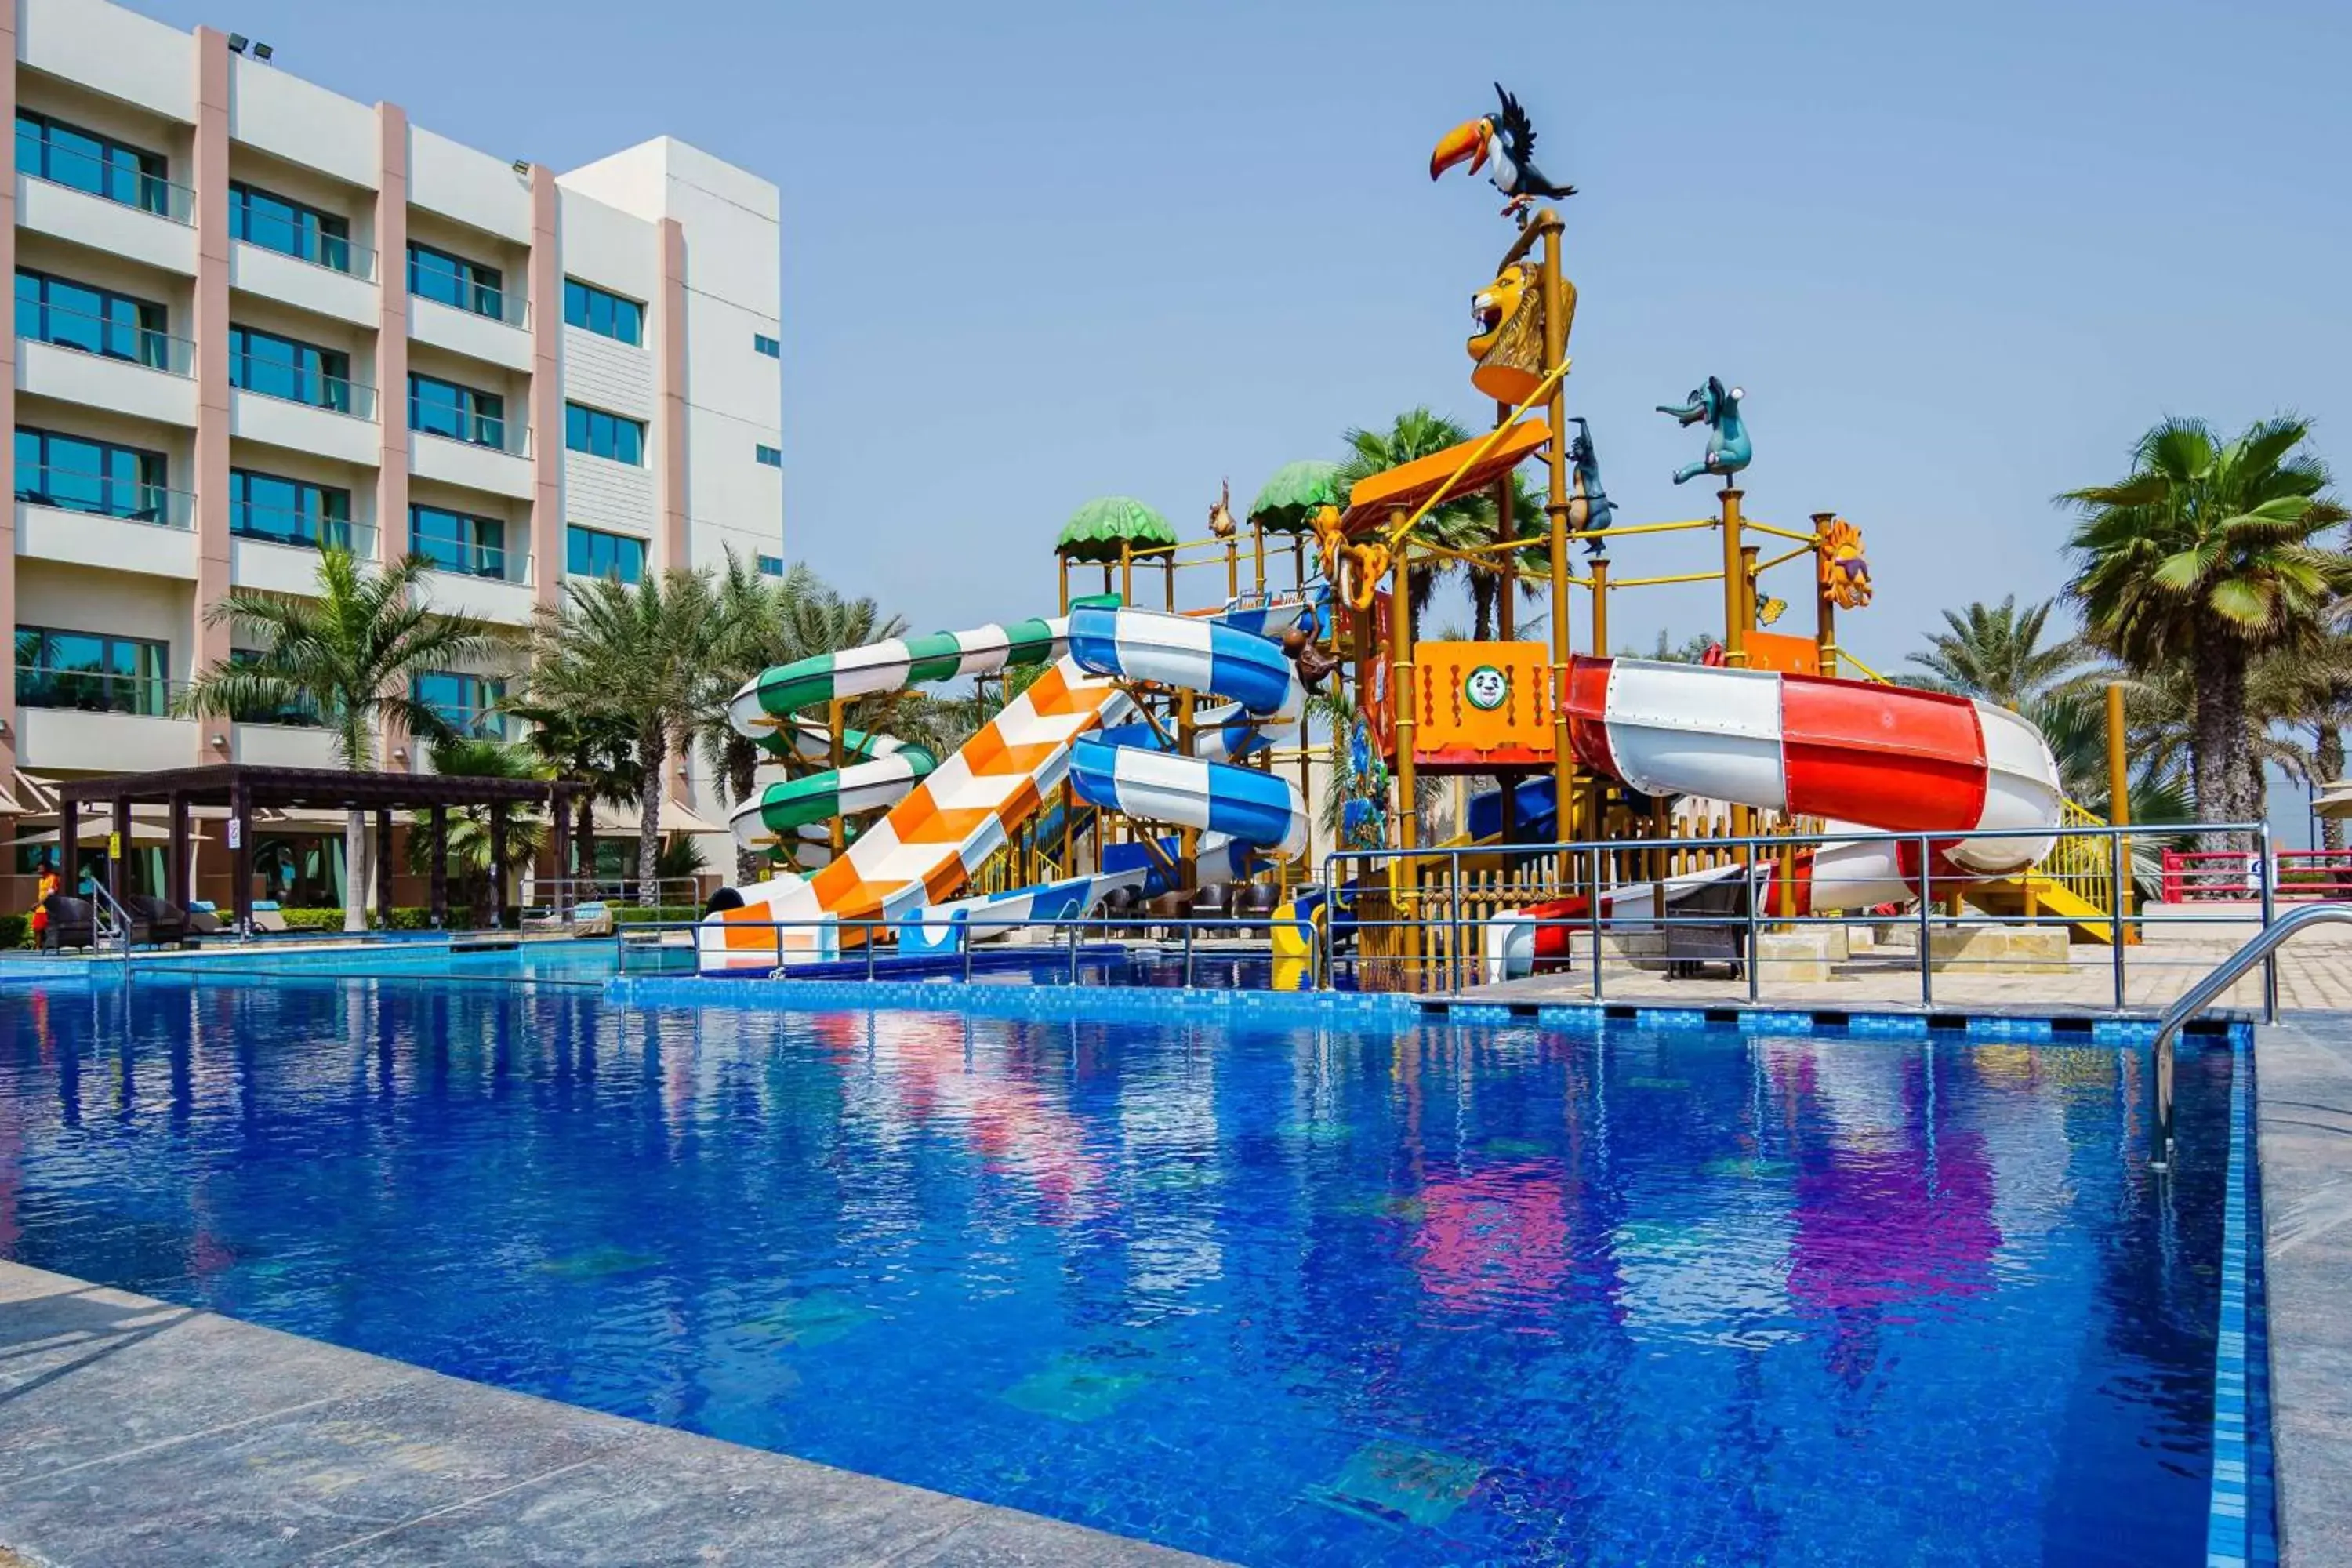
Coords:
pixel 2120 786
pixel 1824 603
pixel 1601 606
pixel 1555 353
pixel 833 724
pixel 1402 706
pixel 1125 575
pixel 1506 615
pixel 1737 618
pixel 1064 564
pixel 1233 569
pixel 1257 545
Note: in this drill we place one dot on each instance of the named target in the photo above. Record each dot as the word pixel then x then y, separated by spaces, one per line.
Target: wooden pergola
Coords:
pixel 243 786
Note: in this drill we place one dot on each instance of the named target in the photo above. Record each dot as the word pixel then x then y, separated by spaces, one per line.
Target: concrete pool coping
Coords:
pixel 131 1430
pixel 2303 1096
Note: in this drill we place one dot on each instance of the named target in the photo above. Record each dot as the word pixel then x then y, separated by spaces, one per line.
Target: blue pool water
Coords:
pixel 1440 1294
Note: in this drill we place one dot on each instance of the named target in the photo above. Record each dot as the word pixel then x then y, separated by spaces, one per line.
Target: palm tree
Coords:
pixel 469 838
pixel 589 745
pixel 640 654
pixel 1996 652
pixel 351 655
pixel 2310 692
pixel 2211 554
pixel 1453 523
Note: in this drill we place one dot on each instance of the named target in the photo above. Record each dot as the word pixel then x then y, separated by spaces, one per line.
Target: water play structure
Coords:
pixel 1156 760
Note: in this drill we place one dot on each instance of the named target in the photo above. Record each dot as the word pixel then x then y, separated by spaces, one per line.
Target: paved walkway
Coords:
pixel 2314 971
pixel 135 1432
pixel 2303 1076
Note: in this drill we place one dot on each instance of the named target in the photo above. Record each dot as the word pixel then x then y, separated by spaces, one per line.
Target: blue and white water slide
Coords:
pixel 1128 769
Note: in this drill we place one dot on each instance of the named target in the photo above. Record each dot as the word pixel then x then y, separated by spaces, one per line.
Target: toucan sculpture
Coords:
pixel 1515 174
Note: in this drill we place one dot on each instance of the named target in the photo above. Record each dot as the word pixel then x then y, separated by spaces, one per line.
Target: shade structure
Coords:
pixel 2334 800
pixel 622 821
pixel 1410 484
pixel 1098 529
pixel 1288 501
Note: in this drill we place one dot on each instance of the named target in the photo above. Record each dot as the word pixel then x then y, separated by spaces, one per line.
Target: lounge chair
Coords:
pixel 1691 947
pixel 166 923
pixel 73 922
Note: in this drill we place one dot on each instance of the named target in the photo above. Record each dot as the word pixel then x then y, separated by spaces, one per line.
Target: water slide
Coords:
pixel 1072 723
pixel 1861 756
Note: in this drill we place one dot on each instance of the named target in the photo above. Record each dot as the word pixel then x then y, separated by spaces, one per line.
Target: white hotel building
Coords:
pixel 250 313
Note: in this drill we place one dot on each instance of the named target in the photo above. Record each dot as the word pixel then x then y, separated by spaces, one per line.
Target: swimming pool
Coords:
pixel 1423 1293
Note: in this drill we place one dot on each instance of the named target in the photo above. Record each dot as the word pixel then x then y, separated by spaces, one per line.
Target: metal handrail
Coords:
pixel 2225 975
pixel 104 903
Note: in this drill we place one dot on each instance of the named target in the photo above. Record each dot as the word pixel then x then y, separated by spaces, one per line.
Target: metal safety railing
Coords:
pixel 2206 992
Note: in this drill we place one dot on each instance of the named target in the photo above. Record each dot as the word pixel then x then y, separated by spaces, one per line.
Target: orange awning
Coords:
pixel 1373 498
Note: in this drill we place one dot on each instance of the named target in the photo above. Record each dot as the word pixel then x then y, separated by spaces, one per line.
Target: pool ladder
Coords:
pixel 2201 996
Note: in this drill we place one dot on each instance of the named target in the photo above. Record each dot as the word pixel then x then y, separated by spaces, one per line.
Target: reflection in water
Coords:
pixel 1278 1295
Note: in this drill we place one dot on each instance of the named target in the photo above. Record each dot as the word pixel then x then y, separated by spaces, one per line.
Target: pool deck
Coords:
pixel 2303 1120
pixel 131 1431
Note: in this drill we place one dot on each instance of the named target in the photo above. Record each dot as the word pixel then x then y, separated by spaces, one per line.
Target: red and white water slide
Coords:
pixel 1861 756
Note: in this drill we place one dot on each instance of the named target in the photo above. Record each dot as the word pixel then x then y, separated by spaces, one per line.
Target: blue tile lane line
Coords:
pixel 2238 1530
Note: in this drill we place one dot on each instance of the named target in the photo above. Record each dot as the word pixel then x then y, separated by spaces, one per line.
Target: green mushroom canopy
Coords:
pixel 1296 492
pixel 1098 530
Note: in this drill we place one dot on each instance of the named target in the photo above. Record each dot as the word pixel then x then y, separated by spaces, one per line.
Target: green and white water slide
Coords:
pixel 882 770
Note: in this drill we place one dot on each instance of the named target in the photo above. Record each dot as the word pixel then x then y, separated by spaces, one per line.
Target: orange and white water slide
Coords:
pixel 1863 757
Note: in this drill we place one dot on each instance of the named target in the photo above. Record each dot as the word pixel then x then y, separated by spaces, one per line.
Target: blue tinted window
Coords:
pixel 767 345
pixel 591 309
pixel 466 703
pixel 455 542
pixel 63 154
pixel 772 566
pixel 771 455
pixel 284 367
pixel 278 223
pixel 461 412
pixel 603 434
pixel 95 320
pixel 93 671
pixel 77 474
pixel 453 281
pixel 590 553
pixel 288 511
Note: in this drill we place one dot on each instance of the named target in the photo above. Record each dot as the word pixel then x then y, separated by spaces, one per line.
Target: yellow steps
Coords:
pixel 2015 897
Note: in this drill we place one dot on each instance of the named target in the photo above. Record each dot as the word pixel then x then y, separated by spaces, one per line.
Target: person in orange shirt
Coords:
pixel 46 885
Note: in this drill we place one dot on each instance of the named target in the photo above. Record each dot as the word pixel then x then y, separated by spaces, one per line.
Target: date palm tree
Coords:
pixel 350 654
pixel 1996 652
pixel 2210 553
pixel 591 746
pixel 1455 522
pixel 470 841
pixel 640 654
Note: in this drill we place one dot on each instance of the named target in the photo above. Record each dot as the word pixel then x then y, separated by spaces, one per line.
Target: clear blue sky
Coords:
pixel 1957 256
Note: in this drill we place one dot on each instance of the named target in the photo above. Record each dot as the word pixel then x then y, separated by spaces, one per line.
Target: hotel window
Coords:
pixel 603 434
pixel 590 553
pixel 461 412
pixel 288 511
pixel 65 154
pixel 593 310
pixel 295 709
pixel 466 703
pixel 767 345
pixel 772 566
pixel 288 368
pixel 74 473
pixel 280 223
pixel 453 281
pixel 455 541
pixel 771 456
pixel 95 320
pixel 91 671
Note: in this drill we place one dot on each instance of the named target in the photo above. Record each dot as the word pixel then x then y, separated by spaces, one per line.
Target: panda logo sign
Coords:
pixel 1486 687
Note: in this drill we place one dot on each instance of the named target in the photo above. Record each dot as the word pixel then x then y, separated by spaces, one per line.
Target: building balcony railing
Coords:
pixel 96 691
pixel 107 337
pixel 291 383
pixel 499 434
pixel 490 561
pixel 506 306
pixel 105 495
pixel 78 171
pixel 477 723
pixel 300 530
pixel 303 242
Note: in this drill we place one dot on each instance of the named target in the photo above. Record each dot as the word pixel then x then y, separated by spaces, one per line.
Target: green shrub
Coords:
pixel 637 914
pixel 15 930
